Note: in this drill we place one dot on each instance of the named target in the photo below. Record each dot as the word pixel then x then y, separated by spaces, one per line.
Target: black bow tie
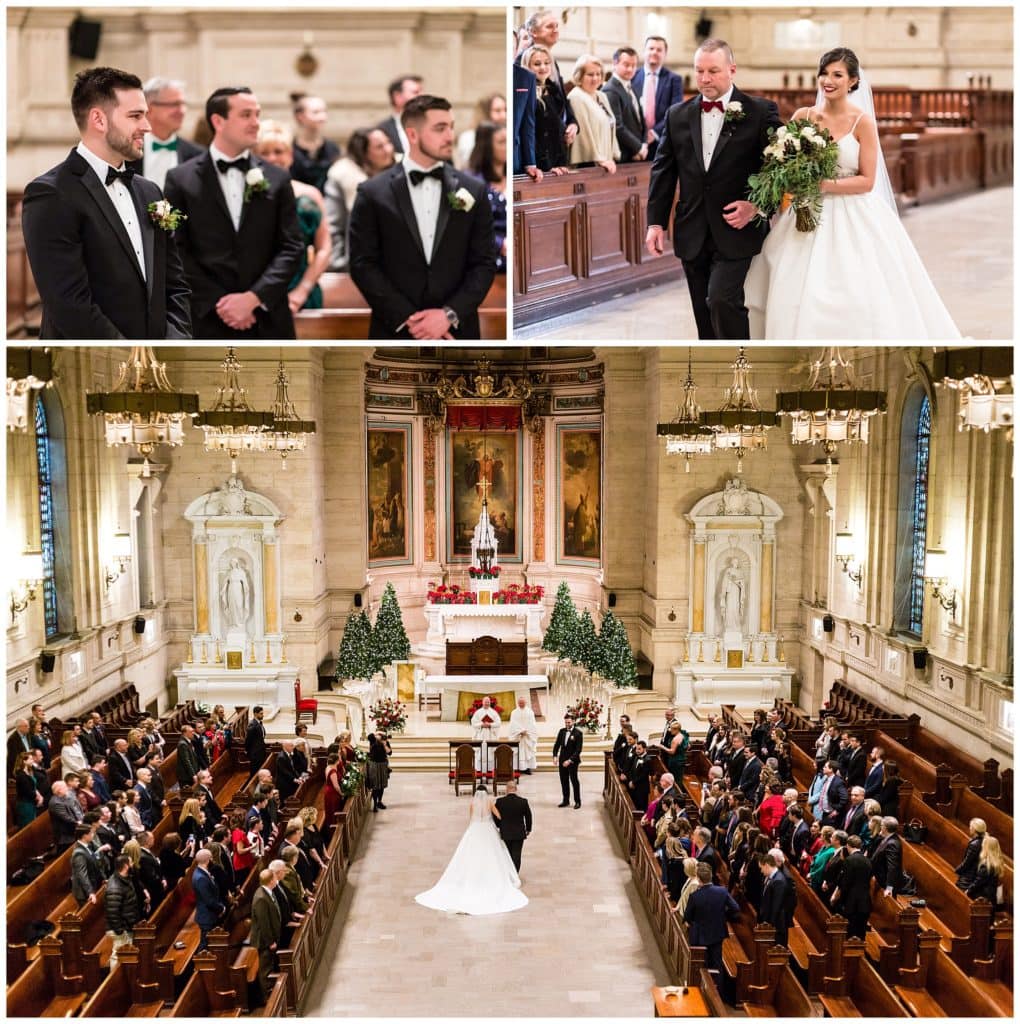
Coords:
pixel 242 163
pixel 124 175
pixel 417 177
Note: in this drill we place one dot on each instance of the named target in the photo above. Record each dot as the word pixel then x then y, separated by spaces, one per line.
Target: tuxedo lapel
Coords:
pixel 148 235
pixel 694 123
pixel 211 183
pixel 449 185
pixel 102 198
pixel 402 196
pixel 727 129
pixel 245 207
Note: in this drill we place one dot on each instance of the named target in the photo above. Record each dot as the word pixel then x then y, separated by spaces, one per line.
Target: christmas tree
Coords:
pixel 586 644
pixel 355 659
pixel 389 638
pixel 617 659
pixel 562 625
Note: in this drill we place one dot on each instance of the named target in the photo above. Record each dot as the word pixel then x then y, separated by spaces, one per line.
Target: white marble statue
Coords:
pixel 524 729
pixel 235 596
pixel 732 597
pixel 486 724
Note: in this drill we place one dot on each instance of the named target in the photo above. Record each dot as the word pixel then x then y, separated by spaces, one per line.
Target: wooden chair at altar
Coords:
pixel 503 768
pixel 464 769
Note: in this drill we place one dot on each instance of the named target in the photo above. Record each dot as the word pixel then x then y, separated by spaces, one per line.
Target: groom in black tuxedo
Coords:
pixel 103 267
pixel 567 751
pixel 422 246
pixel 712 144
pixel 241 242
pixel 514 822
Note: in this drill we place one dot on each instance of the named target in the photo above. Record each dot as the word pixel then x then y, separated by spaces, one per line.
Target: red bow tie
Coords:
pixel 707 105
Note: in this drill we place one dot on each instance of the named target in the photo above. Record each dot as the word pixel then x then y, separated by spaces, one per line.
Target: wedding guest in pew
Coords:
pixel 293 885
pixel 887 858
pixel 86 793
pixel 86 873
pixel 550 111
pixel 852 896
pixel 172 859
pixel 596 144
pixel 72 757
pixel 28 801
pixel 989 872
pixel 123 909
pixel 133 851
pixel 266 926
pixel 220 866
pixel 312 840
pixel 488 163
pixel 65 814
pixel 99 783
pixel 708 908
pixel 966 870
pixel 191 823
pixel 210 904
pixel 150 871
pixel 690 884
pixel 38 739
pixel 42 776
pixel 313 153
pixel 889 795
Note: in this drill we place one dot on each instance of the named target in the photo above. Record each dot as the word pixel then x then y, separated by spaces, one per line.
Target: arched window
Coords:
pixel 912 511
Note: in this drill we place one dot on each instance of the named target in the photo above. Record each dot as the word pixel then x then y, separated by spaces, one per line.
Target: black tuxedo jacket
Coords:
pixel 213 811
pixel 388 126
pixel 856 768
pixel 630 125
pixel 855 885
pixel 260 256
pixel 285 775
pixel 255 743
pixel 568 745
pixel 119 772
pixel 515 816
pixel 185 151
pixel 84 264
pixel 703 194
pixel 388 261
pixel 774 901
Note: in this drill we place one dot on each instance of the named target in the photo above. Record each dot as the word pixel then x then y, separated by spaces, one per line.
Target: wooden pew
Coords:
pixel 116 996
pixel 766 985
pixel 203 995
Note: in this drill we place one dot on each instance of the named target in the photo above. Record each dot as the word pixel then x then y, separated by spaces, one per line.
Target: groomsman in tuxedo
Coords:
pixel 164 148
pixel 567 753
pixel 422 248
pixel 105 268
pixel 255 739
pixel 241 241
pixel 659 88
pixel 630 129
pixel 402 90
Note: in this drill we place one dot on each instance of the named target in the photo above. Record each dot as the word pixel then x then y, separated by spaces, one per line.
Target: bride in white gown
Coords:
pixel 480 878
pixel 857 275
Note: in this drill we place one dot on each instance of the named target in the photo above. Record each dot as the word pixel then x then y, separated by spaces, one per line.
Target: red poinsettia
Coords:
pixel 478 704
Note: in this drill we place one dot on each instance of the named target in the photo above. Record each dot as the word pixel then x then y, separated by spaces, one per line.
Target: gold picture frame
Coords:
pixel 735 659
pixel 235 660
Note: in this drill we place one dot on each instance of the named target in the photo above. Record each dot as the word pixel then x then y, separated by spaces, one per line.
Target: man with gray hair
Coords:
pixel 887 860
pixel 164 148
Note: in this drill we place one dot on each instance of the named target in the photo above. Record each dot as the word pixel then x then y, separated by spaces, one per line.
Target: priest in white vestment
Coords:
pixel 486 724
pixel 524 729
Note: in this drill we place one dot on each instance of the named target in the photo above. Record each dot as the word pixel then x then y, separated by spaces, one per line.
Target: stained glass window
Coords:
pixel 920 515
pixel 42 448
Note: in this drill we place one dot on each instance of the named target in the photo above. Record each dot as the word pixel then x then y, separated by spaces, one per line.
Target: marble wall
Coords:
pixel 461 53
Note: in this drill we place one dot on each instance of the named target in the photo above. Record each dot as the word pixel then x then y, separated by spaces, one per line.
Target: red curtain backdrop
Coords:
pixel 483 417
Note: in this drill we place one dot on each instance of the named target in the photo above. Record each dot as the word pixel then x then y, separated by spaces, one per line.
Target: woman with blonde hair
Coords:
pixel 550 111
pixel 966 870
pixel 191 821
pixel 72 757
pixel 276 146
pixel 989 872
pixel 312 841
pixel 690 884
pixel 596 142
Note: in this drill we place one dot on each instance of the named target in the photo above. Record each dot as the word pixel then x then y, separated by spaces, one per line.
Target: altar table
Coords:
pixel 451 687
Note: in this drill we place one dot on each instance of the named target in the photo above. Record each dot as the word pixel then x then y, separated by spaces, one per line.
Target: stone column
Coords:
pixel 698 586
pixel 201 556
pixel 765 601
pixel 270 596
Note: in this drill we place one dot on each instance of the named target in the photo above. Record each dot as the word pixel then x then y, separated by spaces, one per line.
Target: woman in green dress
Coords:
pixel 276 146
pixel 676 751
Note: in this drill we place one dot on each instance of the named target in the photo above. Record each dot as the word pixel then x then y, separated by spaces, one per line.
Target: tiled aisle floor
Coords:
pixel 966 245
pixel 580 948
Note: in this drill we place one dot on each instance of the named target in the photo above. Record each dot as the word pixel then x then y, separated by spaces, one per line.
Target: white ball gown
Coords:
pixel 480 878
pixel 857 276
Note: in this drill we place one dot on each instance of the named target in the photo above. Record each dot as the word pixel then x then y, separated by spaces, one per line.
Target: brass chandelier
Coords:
pixel 685 434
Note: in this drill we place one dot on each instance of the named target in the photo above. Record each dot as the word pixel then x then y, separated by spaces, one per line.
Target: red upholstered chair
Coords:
pixel 306 706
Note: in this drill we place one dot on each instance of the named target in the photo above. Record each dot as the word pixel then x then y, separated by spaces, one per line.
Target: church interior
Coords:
pixel 804 531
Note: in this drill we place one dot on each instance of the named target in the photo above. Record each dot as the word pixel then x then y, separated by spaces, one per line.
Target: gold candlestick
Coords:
pixel 782 650
pixel 205 654
pixel 219 657
pixel 191 653
pixel 765 651
pixel 269 659
pixel 283 649
pixel 718 651
pixel 750 652
pixel 684 652
pixel 701 651
pixel 252 659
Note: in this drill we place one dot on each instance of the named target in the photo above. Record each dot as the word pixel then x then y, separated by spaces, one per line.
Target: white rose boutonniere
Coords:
pixel 461 200
pixel 734 111
pixel 164 216
pixel 255 183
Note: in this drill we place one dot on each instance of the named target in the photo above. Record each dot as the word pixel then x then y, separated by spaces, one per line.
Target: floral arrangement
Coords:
pixel 518 593
pixel 461 200
pixel 491 573
pixel 587 713
pixel 389 715
pixel 799 156
pixel 478 703
pixel 353 780
pixel 451 595
pixel 165 216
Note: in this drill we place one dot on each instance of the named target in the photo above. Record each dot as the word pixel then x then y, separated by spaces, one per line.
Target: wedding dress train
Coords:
pixel 480 878
pixel 857 276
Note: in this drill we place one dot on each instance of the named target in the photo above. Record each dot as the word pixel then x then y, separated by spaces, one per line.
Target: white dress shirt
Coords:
pixel 425 199
pixel 712 123
pixel 157 162
pixel 120 196
pixel 232 183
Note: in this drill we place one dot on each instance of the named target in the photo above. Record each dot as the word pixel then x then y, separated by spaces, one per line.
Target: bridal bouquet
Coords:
pixel 799 156
pixel 388 715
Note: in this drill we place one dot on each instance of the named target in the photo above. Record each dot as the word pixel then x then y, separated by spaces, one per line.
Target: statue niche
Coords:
pixel 235 592
pixel 732 591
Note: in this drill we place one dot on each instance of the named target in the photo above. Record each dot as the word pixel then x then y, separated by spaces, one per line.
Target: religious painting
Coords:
pixel 580 493
pixel 389 494
pixel 483 464
pixel 234 660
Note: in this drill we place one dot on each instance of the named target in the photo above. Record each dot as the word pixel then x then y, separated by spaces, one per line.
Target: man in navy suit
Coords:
pixel 664 89
pixel 833 799
pixel 708 909
pixel 524 122
pixel 873 780
pixel 209 908
pixel 775 899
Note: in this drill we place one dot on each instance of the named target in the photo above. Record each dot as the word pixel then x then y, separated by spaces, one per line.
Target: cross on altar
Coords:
pixel 483 484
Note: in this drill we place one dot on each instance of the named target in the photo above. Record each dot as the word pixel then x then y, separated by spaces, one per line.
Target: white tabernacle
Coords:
pixel 450 686
pixel 272 685
pixel 469 621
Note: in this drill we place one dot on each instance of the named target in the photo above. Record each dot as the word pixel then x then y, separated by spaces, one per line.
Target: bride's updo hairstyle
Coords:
pixel 481 788
pixel 848 57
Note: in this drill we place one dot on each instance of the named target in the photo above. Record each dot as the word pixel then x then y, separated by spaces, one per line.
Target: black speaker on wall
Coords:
pixel 83 38
pixel 47 660
pixel 921 657
pixel 139 626
pixel 612 600
pixel 703 29
pixel 357 600
pixel 828 623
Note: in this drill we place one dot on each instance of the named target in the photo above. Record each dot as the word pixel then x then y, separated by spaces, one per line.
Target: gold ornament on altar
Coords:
pixel 701 651
pixel 269 657
pixel 765 652
pixel 191 654
pixel 782 649
pixel 718 651
pixel 750 652
pixel 283 650
pixel 219 657
pixel 252 657
pixel 205 654
pixel 685 652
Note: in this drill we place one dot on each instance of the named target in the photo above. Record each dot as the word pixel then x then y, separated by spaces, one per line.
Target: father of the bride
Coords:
pixel 514 822
pixel 712 144
pixel 103 257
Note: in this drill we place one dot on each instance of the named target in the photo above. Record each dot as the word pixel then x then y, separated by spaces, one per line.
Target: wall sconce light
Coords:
pixel 845 557
pixel 936 574
pixel 121 557
pixel 28 576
